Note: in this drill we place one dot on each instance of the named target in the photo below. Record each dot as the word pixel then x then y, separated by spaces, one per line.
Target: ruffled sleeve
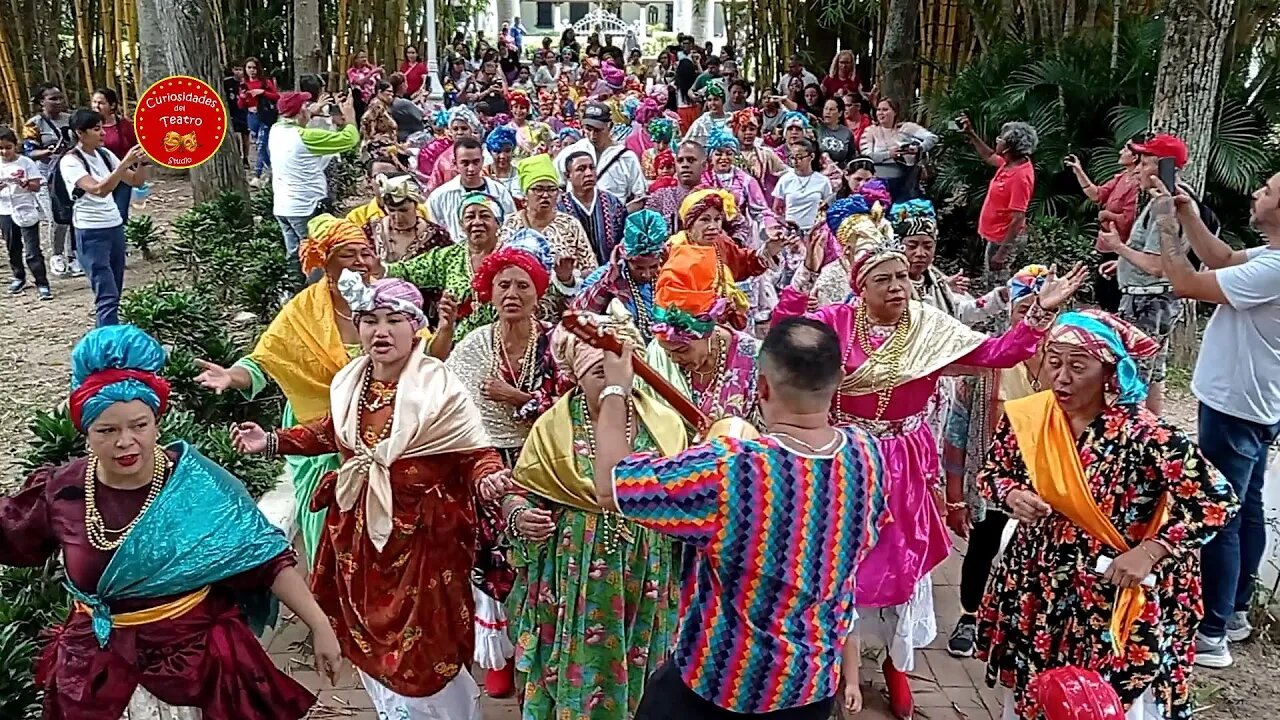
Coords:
pixel 26 531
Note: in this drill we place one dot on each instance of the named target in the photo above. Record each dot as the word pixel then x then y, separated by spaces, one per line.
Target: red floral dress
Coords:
pixel 403 616
pixel 1046 606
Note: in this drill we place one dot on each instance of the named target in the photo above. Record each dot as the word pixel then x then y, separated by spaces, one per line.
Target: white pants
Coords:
pixel 903 628
pixel 144 706
pixel 1144 708
pixel 459 700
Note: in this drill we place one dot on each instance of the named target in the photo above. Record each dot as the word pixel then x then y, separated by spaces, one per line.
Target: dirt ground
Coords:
pixel 36 337
pixel 36 340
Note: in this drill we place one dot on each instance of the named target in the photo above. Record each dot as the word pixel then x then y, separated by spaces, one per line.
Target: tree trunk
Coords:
pixel 898 67
pixel 151 51
pixel 186 38
pixel 1186 94
pixel 306 38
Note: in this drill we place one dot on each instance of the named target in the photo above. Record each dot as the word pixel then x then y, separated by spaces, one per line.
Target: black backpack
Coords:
pixel 61 201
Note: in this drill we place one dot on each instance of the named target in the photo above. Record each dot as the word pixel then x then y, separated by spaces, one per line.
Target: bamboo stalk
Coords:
pixel 122 76
pixel 342 43
pixel 20 71
pixel 107 23
pixel 11 91
pixel 131 38
pixel 82 37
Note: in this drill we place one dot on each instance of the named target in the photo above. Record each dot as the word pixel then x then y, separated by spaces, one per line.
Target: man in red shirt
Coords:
pixel 1119 200
pixel 1003 221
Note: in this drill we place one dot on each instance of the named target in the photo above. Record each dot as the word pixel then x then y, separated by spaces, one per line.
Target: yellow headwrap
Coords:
pixel 325 234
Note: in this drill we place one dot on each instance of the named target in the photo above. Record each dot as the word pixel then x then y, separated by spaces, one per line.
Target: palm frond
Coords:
pixel 1237 158
pixel 1127 121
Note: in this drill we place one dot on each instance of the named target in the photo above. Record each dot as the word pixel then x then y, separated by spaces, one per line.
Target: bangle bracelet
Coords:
pixel 957 505
pixel 1150 554
pixel 273 445
pixel 511 521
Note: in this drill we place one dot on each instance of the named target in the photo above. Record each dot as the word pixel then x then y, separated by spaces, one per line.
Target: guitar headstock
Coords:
pixel 589 331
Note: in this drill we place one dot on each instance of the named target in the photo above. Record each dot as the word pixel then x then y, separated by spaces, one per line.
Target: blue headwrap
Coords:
pixel 1112 341
pixel 629 107
pixel 465 114
pixel 844 208
pixel 720 138
pixel 914 217
pixel 534 243
pixel 794 117
pixel 112 364
pixel 645 232
pixel 500 138
pixel 440 118
pixel 569 134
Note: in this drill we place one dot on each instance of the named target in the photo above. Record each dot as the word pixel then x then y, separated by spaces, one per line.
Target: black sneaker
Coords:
pixel 17 286
pixel 963 638
pixel 44 292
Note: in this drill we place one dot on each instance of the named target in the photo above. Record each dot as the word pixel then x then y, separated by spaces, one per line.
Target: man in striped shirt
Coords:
pixel 775 529
pixel 444 202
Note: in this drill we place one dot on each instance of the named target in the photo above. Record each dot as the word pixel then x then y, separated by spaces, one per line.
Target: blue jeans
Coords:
pixel 101 254
pixel 258 133
pixel 294 230
pixel 1229 562
pixel 123 195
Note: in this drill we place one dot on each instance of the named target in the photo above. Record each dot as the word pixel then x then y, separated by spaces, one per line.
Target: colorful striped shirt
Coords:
pixel 774 538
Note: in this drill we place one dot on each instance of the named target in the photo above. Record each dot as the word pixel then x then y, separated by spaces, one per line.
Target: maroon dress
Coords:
pixel 207 658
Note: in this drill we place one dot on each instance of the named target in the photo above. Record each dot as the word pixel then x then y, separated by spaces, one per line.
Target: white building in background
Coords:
pixel 704 19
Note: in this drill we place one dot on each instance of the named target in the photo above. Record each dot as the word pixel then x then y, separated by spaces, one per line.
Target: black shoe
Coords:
pixel 44 292
pixel 17 286
pixel 963 638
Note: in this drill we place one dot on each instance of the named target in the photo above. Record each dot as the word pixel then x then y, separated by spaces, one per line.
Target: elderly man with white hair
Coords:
pixel 1003 222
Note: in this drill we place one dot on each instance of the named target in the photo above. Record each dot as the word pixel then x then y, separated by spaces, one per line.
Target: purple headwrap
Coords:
pixel 385 294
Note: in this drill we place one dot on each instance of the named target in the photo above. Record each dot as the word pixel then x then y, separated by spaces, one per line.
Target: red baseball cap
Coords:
pixel 1164 145
pixel 291 102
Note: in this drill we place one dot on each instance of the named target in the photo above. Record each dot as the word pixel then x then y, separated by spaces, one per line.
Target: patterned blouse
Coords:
pixel 566 236
pixel 1046 606
pixel 447 269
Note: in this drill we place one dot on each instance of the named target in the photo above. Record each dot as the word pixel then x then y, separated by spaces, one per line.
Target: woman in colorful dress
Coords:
pixel 694 348
pixel 156 630
pixel 307 343
pixel 462 122
pixel 852 224
pixel 528 135
pixel 402 513
pixel 597 608
pixel 449 270
pixel 978 403
pixel 629 275
pixel 540 183
pixel 747 194
pixel 512 375
pixel 501 146
pixel 400 229
pixel 1113 505
pixel 706 215
pixel 760 161
pixel 896 349
pixel 378 134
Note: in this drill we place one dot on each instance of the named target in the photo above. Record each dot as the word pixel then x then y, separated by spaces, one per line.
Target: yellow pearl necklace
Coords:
pixel 95 528
pixel 890 353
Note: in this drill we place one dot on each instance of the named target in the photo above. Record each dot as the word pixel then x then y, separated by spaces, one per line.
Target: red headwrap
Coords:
pixel 496 262
pixel 519 97
pixel 98 380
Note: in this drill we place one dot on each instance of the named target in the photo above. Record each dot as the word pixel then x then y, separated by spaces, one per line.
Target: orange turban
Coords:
pixel 689 280
pixel 325 234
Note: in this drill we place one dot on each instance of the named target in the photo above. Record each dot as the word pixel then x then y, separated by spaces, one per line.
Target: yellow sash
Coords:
pixel 167 611
pixel 934 341
pixel 302 350
pixel 548 465
pixel 1049 451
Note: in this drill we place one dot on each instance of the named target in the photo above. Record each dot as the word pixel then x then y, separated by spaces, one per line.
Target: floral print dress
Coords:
pixel 599 608
pixel 1046 607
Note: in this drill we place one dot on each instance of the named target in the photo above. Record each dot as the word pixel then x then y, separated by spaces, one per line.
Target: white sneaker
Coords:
pixel 58 265
pixel 75 270
pixel 255 183
pixel 1238 627
pixel 1213 652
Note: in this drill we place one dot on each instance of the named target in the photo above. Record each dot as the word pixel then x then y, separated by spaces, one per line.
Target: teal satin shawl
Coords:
pixel 202 528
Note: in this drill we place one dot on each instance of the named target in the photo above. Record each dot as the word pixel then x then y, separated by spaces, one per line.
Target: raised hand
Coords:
pixel 1058 290
pixel 214 377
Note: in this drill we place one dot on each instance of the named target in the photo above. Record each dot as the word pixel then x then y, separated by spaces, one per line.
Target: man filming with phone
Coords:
pixel 1146 296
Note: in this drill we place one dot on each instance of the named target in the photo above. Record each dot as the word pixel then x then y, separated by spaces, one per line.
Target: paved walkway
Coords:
pixel 945 688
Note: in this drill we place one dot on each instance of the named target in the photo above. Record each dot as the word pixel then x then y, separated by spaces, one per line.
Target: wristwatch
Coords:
pixel 614 390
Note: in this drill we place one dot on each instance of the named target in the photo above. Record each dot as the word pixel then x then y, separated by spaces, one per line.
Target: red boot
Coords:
pixel 901 704
pixel 501 683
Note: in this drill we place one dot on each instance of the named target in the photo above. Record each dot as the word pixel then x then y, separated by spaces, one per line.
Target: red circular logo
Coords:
pixel 180 122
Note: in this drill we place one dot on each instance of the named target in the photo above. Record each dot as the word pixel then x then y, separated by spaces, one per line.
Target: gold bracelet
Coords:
pixel 957 505
pixel 1150 554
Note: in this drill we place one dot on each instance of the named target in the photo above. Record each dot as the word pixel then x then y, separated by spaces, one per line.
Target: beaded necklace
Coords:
pixel 384 394
pixel 612 526
pixel 890 352
pixel 500 359
pixel 712 392
pixel 95 527
pixel 643 323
